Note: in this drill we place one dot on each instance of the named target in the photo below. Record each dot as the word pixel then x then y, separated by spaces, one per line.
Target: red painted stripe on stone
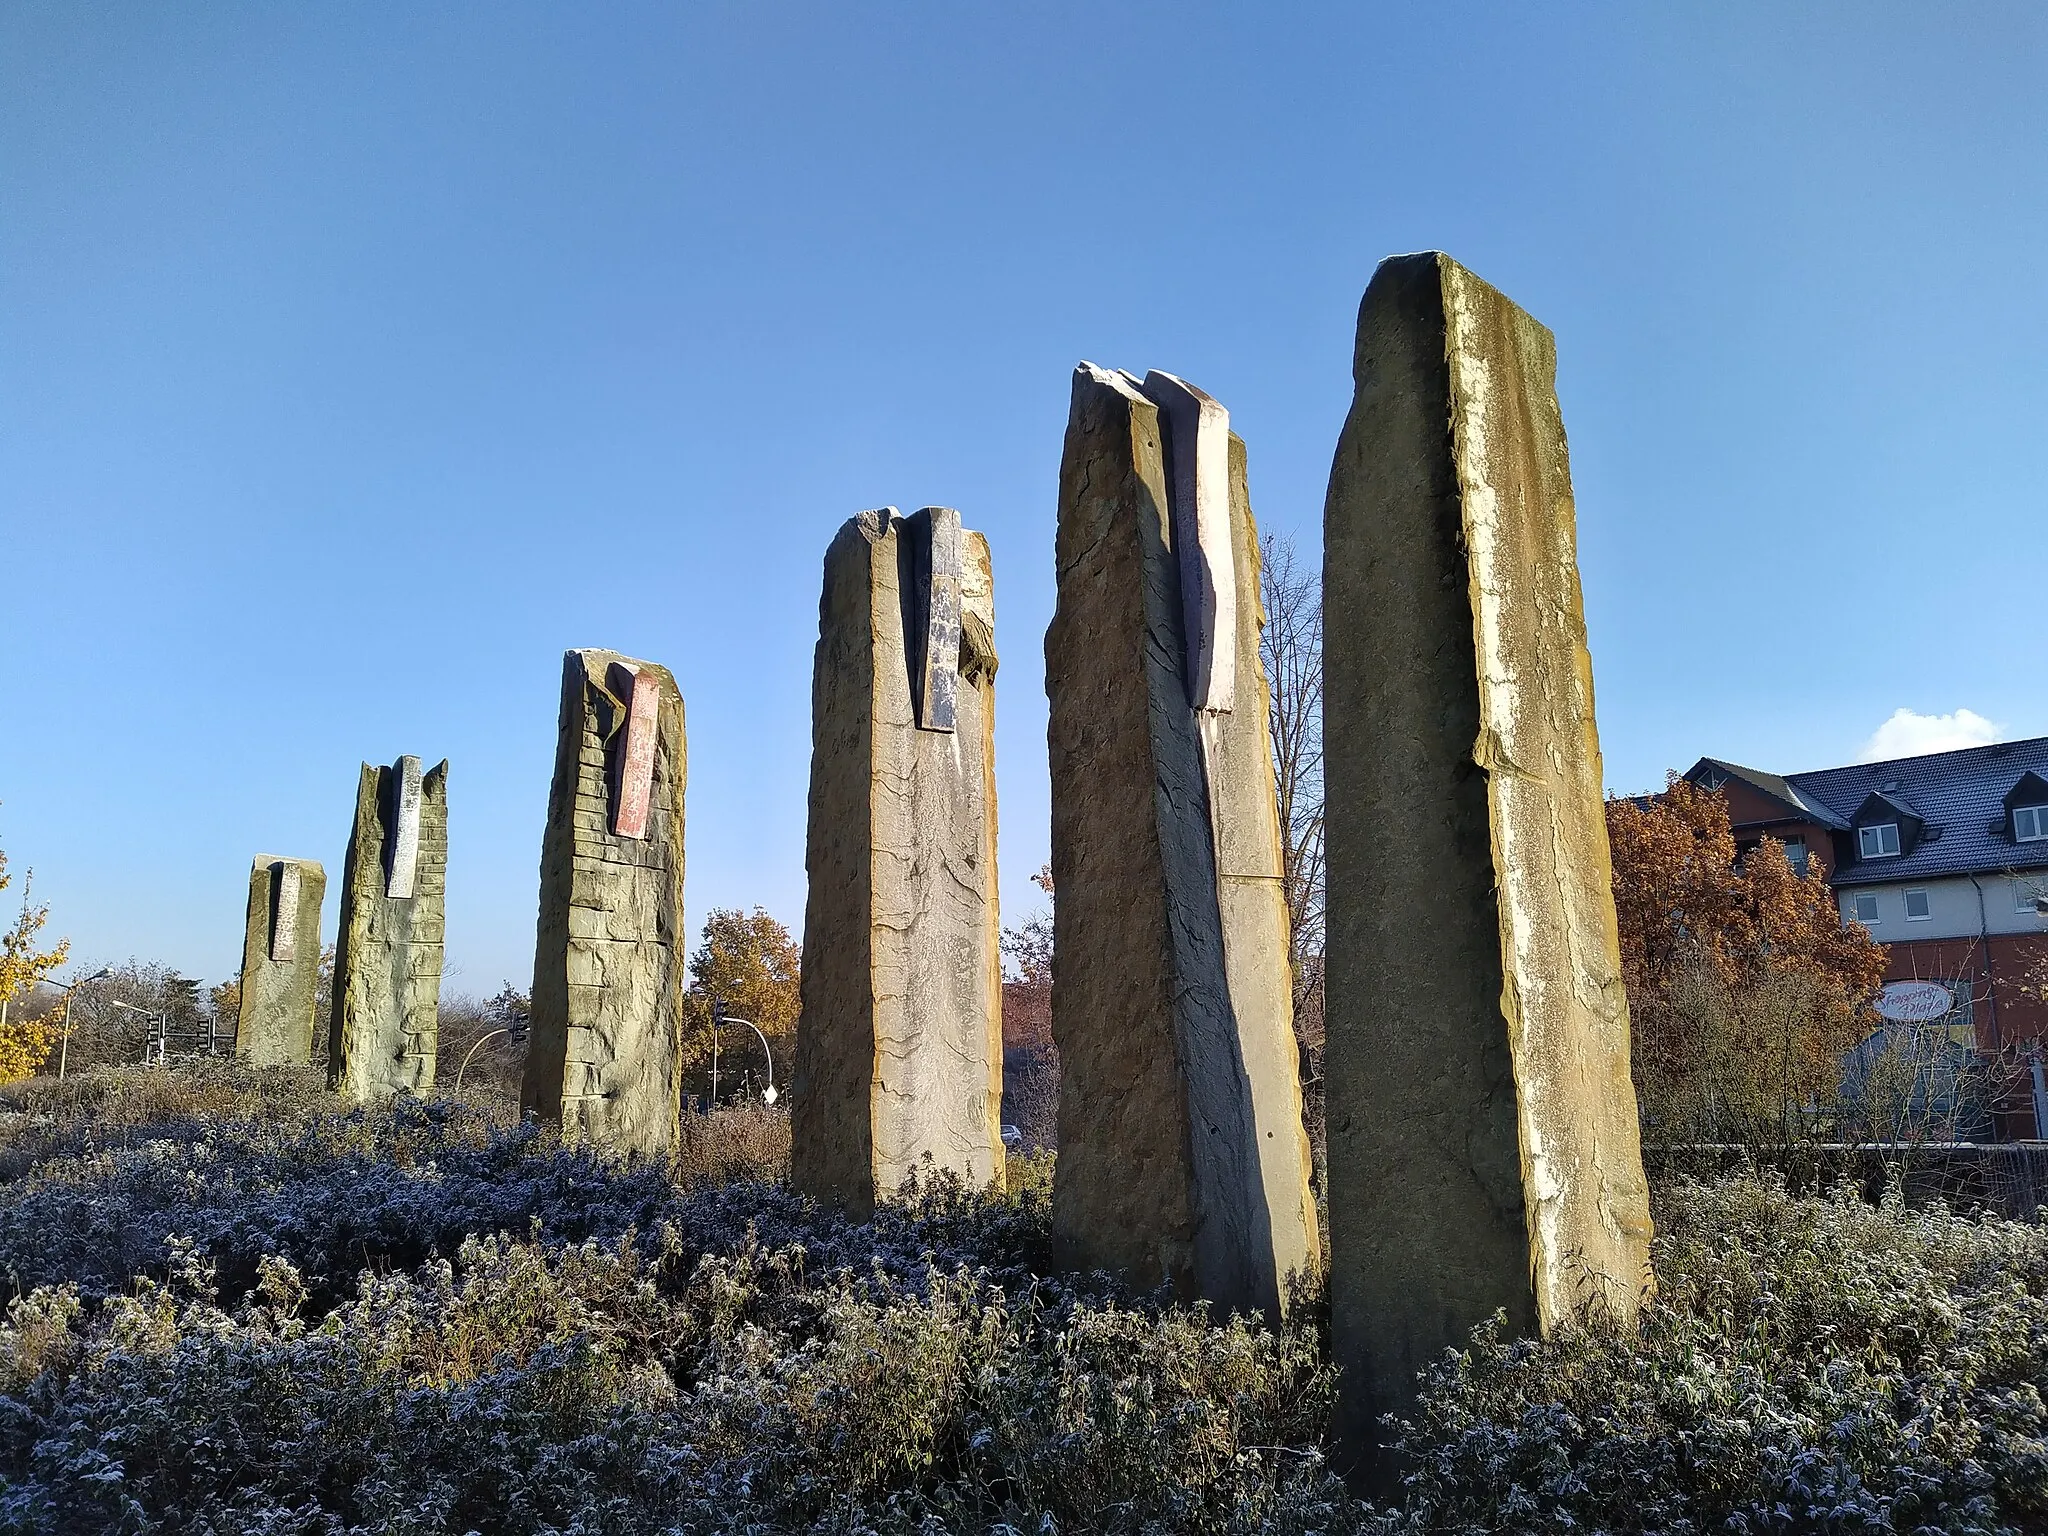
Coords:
pixel 636 757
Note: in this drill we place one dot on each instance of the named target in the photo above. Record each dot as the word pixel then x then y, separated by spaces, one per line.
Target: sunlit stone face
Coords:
pixel 403 846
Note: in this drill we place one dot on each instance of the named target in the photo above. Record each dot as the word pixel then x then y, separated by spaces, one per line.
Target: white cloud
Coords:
pixel 1907 734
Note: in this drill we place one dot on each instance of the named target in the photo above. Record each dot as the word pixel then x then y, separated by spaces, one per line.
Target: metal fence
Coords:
pixel 2008 1178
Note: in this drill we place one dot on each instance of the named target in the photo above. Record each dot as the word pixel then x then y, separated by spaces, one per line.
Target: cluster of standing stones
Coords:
pixel 1483 1145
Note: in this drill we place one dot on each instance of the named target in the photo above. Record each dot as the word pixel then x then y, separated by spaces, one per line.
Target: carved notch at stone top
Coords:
pixel 640 693
pixel 284 922
pixel 1197 433
pixel 935 648
pixel 402 851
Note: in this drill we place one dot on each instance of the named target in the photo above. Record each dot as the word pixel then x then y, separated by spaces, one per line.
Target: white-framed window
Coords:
pixel 1864 908
pixel 2027 892
pixel 1795 854
pixel 1878 842
pixel 2030 824
pixel 1918 908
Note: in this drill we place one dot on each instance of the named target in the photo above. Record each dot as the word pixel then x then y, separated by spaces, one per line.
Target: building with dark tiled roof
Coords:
pixel 1944 858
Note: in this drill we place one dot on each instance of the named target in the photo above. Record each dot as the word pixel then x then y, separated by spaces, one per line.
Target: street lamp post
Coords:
pixel 64 1040
pixel 152 1018
pixel 720 1016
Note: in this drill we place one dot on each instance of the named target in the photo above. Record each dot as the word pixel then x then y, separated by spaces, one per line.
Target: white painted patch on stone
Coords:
pixel 1198 480
pixel 284 917
pixel 402 845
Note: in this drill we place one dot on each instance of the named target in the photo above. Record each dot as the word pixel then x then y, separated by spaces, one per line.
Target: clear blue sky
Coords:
pixel 357 359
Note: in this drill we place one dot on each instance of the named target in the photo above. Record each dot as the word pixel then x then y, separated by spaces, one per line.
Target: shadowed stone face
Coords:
pixel 899 1049
pixel 1484 1150
pixel 1182 1154
pixel 385 1027
pixel 605 1055
pixel 280 962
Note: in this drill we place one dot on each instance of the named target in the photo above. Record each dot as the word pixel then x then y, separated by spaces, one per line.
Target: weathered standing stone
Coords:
pixel 1182 1153
pixel 605 1055
pixel 899 1049
pixel 387 955
pixel 1484 1148
pixel 280 962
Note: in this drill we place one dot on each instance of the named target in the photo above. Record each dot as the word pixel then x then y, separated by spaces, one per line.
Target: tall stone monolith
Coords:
pixel 387 957
pixel 899 1048
pixel 1484 1151
pixel 280 962
pixel 1182 1152
pixel 605 1054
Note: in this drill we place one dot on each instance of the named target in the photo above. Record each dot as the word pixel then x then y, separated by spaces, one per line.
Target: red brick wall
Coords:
pixel 2008 969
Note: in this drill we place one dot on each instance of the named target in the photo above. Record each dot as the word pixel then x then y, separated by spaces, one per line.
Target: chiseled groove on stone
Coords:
pixel 936 607
pixel 605 1055
pixel 899 1055
pixel 1469 873
pixel 275 1025
pixel 385 1021
pixel 1195 430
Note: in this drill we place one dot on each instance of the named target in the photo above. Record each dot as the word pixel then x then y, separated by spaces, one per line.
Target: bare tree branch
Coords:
pixel 1291 646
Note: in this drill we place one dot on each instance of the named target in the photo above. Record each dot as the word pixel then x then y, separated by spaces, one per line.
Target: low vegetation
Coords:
pixel 238 1310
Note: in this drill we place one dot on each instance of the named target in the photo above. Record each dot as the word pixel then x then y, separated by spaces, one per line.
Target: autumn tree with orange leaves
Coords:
pixel 753 965
pixel 1745 986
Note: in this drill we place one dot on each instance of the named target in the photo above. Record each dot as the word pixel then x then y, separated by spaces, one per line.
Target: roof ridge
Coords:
pixel 1922 757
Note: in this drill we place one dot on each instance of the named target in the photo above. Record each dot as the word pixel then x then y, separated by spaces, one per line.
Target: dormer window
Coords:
pixel 1878 842
pixel 2026 809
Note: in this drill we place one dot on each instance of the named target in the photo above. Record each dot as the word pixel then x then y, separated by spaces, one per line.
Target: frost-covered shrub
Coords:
pixel 256 1313
pixel 630 1386
pixel 1810 1364
pixel 248 1164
